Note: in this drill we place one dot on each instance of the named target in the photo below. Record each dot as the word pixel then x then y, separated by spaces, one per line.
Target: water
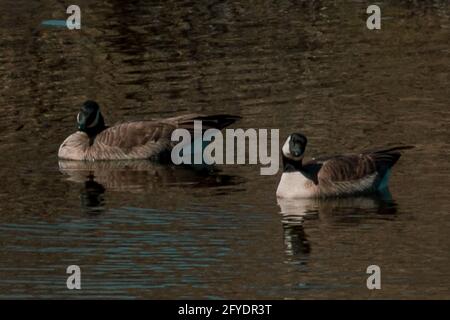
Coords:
pixel 143 230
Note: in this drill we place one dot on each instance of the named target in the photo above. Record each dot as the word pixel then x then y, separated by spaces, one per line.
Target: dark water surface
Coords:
pixel 142 230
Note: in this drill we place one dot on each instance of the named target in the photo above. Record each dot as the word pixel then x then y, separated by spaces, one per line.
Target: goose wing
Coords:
pixel 346 168
pixel 353 167
pixel 144 139
pixel 139 139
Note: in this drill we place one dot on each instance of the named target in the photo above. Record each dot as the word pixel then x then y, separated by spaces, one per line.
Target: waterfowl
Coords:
pixel 147 139
pixel 334 176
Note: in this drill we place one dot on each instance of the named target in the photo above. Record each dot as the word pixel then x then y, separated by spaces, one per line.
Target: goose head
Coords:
pixel 295 146
pixel 90 119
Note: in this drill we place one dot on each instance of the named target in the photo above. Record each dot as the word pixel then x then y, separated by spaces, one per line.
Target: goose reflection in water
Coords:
pixel 92 199
pixel 345 210
pixel 139 177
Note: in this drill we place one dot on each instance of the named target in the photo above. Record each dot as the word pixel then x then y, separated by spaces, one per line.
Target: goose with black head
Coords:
pixel 334 176
pixel 146 139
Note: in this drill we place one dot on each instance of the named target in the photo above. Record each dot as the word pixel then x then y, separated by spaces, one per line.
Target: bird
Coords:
pixel 334 176
pixel 132 140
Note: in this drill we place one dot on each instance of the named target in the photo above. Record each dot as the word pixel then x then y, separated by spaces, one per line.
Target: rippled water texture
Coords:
pixel 143 230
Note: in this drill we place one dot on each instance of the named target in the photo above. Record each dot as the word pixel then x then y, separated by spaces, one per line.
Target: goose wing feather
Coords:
pixel 139 139
pixel 128 135
pixel 351 167
pixel 347 168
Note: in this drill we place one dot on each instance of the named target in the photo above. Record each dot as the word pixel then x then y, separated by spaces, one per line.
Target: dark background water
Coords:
pixel 142 230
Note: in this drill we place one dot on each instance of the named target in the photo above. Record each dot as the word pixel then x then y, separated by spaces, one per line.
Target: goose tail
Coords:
pixel 218 121
pixel 392 149
pixel 386 158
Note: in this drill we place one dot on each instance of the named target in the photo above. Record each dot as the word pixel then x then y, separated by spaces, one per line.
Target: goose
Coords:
pixel 333 176
pixel 134 140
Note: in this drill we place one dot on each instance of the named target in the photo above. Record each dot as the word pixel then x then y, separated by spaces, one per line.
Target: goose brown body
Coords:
pixel 125 141
pixel 150 139
pixel 339 175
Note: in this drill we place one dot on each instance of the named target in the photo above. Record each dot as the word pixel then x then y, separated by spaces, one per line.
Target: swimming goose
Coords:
pixel 150 139
pixel 340 175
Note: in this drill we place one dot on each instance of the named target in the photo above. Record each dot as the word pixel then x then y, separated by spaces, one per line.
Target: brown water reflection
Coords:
pixel 141 177
pixel 150 231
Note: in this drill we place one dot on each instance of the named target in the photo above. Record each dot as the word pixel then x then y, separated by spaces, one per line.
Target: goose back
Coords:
pixel 125 141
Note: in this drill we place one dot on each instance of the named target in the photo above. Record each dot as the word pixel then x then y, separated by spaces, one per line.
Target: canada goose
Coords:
pixel 150 139
pixel 339 175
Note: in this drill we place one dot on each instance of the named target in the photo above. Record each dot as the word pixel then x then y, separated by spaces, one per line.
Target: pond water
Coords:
pixel 146 230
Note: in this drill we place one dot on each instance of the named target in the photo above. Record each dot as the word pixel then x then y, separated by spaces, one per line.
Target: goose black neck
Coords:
pixel 290 165
pixel 92 132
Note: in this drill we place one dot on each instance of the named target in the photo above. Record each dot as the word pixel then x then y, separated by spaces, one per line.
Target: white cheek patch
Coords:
pixel 285 148
pixel 78 118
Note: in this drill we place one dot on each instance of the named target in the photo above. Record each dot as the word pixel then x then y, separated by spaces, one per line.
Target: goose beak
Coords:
pixel 296 152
